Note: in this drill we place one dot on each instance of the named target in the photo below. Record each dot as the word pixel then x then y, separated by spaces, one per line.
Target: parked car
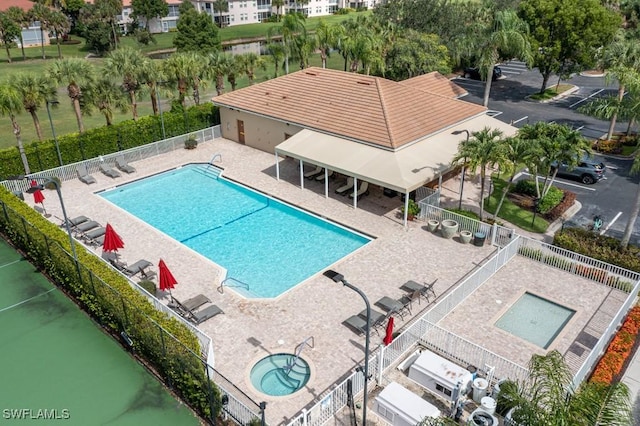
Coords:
pixel 474 73
pixel 589 170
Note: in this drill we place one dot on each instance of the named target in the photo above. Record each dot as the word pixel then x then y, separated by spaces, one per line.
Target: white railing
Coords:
pixel 428 196
pixel 578 264
pixel 68 171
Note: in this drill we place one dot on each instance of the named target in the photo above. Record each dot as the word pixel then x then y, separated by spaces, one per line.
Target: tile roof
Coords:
pixel 354 106
pixel 22 4
pixel 434 82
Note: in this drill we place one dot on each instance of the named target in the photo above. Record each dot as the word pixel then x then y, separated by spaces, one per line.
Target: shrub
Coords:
pixel 148 285
pixel 344 11
pixel 568 200
pixel 465 213
pixel 608 146
pixel 525 187
pixel 547 203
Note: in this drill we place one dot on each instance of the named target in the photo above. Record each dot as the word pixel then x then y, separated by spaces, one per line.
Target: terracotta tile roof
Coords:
pixel 436 83
pixel 22 4
pixel 354 106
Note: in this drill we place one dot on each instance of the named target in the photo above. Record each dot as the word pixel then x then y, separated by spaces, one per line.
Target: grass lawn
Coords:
pixel 551 92
pixel 511 212
pixel 63 117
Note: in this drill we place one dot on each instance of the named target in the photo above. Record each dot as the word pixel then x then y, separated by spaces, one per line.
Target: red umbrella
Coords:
pixel 388 338
pixel 167 280
pixel 112 241
pixel 38 196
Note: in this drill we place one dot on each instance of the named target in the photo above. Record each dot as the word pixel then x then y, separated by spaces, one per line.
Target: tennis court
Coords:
pixel 57 364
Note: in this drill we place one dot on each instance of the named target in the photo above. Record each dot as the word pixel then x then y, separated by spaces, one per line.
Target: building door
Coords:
pixel 241 131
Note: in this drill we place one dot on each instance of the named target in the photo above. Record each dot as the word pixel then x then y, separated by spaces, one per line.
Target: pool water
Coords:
pixel 262 242
pixel 280 374
pixel 535 319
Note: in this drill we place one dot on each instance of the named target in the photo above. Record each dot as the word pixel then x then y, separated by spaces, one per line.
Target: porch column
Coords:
pixel 277 167
pixel 326 183
pixel 301 174
pixel 355 192
pixel 406 207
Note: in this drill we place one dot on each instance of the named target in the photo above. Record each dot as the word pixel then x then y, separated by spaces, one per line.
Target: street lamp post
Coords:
pixel 339 278
pixel 53 131
pixel 164 136
pixel 458 132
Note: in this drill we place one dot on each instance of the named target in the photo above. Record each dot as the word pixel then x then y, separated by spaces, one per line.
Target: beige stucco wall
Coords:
pixel 259 132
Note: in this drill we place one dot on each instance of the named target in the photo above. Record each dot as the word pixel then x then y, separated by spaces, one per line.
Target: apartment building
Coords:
pixel 31 36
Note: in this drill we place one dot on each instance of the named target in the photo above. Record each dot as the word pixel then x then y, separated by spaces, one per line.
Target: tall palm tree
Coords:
pixel 234 71
pixel 250 62
pixel 501 35
pixel 305 45
pixel 220 6
pixel 21 18
pixel 76 73
pixel 292 26
pixel 278 4
pixel 178 69
pixel 59 23
pixel 41 13
pixel 105 96
pixel 34 90
pixel 219 63
pixel 621 59
pixel 481 150
pixel 277 52
pixel 326 38
pixel 547 397
pixel 126 63
pixel 11 105
pixel 151 75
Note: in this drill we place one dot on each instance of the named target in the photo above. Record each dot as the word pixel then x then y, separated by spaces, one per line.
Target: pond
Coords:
pixel 258 47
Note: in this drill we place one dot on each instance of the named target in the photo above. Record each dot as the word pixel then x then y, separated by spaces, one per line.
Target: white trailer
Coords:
pixel 440 376
pixel 399 406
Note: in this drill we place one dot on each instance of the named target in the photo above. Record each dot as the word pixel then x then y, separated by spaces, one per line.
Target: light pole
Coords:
pixel 339 278
pixel 53 131
pixel 164 136
pixel 458 132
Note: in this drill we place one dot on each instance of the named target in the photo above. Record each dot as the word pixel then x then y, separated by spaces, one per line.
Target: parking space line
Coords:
pixel 610 223
pixel 587 98
pixel 526 117
pixel 564 183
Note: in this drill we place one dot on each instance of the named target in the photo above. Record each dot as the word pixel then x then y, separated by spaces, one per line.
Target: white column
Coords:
pixel 326 183
pixel 277 167
pixel 301 175
pixel 406 207
pixel 355 192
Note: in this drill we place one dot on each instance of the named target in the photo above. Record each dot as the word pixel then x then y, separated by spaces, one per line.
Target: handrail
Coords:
pixel 287 368
pixel 241 284
pixel 216 155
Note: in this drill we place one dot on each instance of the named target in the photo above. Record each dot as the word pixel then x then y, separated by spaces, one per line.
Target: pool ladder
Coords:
pixel 287 368
pixel 237 283
pixel 216 155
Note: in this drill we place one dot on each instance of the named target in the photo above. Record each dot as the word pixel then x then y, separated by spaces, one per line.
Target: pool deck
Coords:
pixel 252 329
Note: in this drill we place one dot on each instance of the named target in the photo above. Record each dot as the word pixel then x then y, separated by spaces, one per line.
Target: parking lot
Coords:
pixel 612 197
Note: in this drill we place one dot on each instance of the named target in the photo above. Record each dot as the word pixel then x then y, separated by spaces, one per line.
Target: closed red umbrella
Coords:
pixel 167 280
pixel 388 338
pixel 112 241
pixel 38 196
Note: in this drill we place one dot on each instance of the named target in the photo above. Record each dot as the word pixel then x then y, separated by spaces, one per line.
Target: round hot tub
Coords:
pixel 280 374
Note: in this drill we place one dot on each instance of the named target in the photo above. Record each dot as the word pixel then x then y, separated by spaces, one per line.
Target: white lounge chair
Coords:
pixel 320 177
pixel 313 173
pixel 346 187
pixel 363 190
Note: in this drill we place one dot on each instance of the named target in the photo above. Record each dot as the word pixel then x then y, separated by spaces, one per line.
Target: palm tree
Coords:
pixel 292 25
pixel 326 38
pixel 278 4
pixel 21 18
pixel 9 31
pixel 60 25
pixel 515 151
pixel 621 59
pixel 502 35
pixel 151 75
pixel 34 90
pixel 220 6
pixel 126 63
pixel 219 63
pixel 234 71
pixel 276 50
pixel 105 95
pixel 547 397
pixel 41 13
pixel 481 150
pixel 76 73
pixel 249 63
pixel 305 45
pixel 11 105
pixel 178 69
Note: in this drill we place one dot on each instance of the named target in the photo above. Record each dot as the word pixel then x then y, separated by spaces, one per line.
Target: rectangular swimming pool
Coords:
pixel 535 319
pixel 262 242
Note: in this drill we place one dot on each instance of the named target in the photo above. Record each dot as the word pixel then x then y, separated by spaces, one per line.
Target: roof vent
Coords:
pixel 365 82
pixel 284 96
pixel 267 93
pixel 311 73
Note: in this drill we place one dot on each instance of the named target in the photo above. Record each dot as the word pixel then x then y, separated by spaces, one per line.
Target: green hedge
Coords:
pixel 165 343
pixel 76 147
pixel 547 203
pixel 601 247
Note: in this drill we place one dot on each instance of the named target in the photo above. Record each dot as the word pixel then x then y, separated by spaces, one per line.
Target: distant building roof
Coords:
pixel 22 4
pixel 354 106
pixel 436 83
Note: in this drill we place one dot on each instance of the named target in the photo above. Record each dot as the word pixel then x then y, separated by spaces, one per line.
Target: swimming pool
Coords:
pixel 262 242
pixel 535 319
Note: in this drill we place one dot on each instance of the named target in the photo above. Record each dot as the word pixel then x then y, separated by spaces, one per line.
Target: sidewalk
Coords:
pixel 450 198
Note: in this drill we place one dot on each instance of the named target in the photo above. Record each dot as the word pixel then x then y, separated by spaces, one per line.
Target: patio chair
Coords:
pixel 75 221
pixel 137 268
pixel 313 173
pixel 108 171
pixel 198 317
pixel 400 307
pixel 320 177
pixel 95 237
pixel 359 322
pixel 122 165
pixel 83 227
pixel 189 304
pixel 425 290
pixel 346 187
pixel 83 174
pixel 114 259
pixel 363 190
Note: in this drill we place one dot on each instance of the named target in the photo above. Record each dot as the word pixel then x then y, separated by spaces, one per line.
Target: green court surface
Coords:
pixel 54 358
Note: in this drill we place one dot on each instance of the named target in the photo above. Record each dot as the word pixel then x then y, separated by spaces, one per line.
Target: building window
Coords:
pixel 263 16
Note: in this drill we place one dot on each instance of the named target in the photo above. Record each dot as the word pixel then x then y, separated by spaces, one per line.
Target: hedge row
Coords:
pixel 165 343
pixel 601 247
pixel 76 147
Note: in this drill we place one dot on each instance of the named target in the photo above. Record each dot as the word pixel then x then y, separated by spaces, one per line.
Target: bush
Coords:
pixel 567 201
pixel 601 247
pixel 344 11
pixel 525 187
pixel 548 202
pixel 150 286
pixel 465 213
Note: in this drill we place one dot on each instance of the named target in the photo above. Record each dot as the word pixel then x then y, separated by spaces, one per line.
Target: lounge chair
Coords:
pixel 85 227
pixel 346 187
pixel 198 317
pixel 359 322
pixel 114 259
pixel 363 190
pixel 83 174
pixel 75 221
pixel 189 304
pixel 108 171
pixel 313 173
pixel 137 268
pixel 122 165
pixel 320 177
pixel 400 307
pixel 425 290
pixel 95 237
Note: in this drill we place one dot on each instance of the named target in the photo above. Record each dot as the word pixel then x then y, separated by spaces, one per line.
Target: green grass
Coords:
pixel 628 150
pixel 512 213
pixel 551 92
